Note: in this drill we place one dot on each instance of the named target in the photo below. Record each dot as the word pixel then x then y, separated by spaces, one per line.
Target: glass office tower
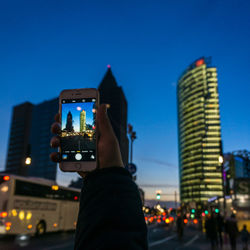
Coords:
pixel 199 133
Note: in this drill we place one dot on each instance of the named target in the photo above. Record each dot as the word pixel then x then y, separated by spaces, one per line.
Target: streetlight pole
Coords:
pixel 221 161
pixel 132 135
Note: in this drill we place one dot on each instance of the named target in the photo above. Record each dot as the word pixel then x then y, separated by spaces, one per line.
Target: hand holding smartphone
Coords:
pixel 103 140
pixel 78 137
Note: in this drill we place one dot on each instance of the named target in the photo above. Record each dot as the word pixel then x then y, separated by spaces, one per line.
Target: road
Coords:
pixel 159 237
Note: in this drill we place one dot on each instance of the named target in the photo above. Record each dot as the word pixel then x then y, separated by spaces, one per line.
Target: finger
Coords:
pixel 57 117
pixel 104 125
pixel 55 142
pixel 56 128
pixel 55 157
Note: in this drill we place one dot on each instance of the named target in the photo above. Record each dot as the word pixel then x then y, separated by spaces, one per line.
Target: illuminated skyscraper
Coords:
pixel 83 121
pixel 199 133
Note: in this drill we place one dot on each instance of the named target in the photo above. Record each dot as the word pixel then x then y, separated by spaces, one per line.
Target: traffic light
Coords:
pixel 193 211
pixel 158 196
pixel 192 216
pixel 206 212
pixel 217 210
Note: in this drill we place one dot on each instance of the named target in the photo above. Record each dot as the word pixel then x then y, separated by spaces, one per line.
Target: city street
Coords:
pixel 160 238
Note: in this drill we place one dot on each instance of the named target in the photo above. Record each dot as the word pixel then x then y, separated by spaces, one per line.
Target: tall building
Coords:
pixel 19 145
pixel 40 135
pixel 112 94
pixel 236 165
pixel 69 124
pixel 199 133
pixel 82 121
pixel 30 137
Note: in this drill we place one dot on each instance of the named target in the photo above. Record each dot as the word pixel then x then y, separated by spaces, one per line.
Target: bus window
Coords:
pixel 25 188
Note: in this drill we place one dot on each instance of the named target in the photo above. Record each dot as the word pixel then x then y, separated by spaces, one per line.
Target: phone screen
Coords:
pixel 78 136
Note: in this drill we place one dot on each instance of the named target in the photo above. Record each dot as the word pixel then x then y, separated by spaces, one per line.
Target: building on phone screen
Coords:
pixel 199 133
pixel 69 123
pixel 83 121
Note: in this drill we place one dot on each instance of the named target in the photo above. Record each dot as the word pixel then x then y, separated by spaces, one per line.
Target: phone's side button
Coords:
pixel 77 166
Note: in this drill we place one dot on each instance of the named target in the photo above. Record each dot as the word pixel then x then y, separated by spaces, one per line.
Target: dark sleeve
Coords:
pixel 110 215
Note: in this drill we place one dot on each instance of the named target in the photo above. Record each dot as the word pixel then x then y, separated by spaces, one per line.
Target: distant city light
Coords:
pixel 3 214
pixel 28 216
pixel 4 189
pixel 21 215
pixel 6 178
pixel 220 159
pixel 54 187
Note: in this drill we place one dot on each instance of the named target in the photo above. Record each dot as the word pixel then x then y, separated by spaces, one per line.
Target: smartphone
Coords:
pixel 78 138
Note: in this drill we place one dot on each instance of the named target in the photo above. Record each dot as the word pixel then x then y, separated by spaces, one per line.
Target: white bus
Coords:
pixel 35 206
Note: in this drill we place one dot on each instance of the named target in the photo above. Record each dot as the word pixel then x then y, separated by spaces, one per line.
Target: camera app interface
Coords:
pixel 78 136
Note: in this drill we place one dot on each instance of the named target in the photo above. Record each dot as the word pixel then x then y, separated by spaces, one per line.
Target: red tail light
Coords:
pixel 195 221
pixel 3 214
pixel 6 178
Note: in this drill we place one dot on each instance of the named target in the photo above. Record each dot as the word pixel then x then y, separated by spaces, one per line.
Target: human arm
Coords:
pixel 110 214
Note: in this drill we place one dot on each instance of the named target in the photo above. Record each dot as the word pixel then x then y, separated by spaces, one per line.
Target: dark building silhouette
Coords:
pixel 112 94
pixel 40 135
pixel 18 148
pixel 30 137
pixel 69 124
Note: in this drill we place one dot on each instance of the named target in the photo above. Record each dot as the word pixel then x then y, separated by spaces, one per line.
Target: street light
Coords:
pixel 132 138
pixel 28 160
pixel 221 159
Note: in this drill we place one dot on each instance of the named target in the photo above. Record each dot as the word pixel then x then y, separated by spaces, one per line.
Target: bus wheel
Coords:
pixel 40 228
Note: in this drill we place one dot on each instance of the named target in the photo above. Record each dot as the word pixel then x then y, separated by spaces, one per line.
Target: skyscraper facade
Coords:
pixel 112 94
pixel 40 135
pixel 199 133
pixel 19 145
pixel 30 137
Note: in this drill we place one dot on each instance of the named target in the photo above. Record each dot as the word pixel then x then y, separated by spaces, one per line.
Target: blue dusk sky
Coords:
pixel 47 46
pixel 76 109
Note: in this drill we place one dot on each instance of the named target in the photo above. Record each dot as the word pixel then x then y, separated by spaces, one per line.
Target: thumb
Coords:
pixel 103 122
